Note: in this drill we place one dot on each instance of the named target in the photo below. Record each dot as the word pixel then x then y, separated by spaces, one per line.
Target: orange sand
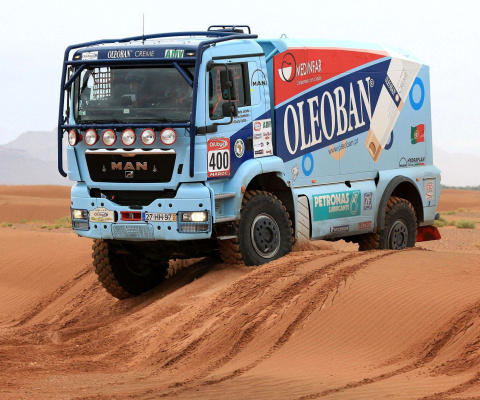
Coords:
pixel 325 322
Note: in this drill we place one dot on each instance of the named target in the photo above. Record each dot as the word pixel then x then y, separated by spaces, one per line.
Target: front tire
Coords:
pixel 126 272
pixel 264 231
pixel 400 228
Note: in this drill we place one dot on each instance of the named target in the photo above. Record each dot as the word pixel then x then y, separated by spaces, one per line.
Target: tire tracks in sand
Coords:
pixel 334 279
pixel 447 335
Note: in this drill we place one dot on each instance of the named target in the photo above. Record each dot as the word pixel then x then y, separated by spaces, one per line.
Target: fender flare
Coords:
pixel 382 206
pixel 248 171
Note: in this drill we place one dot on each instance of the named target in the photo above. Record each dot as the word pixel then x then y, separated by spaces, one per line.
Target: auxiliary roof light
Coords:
pixel 148 136
pixel 109 137
pixel 74 137
pixel 91 137
pixel 128 137
pixel 168 136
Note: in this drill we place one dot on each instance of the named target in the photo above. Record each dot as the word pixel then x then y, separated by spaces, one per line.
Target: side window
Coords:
pixel 242 86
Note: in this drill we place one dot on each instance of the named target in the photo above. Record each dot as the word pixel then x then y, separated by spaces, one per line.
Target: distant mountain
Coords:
pixel 31 159
pixel 457 169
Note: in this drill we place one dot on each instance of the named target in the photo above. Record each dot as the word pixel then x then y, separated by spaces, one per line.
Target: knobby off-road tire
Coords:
pixel 400 228
pixel 124 273
pixel 264 231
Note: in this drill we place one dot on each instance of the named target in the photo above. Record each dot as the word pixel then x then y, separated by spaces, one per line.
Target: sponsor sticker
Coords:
pixel 418 134
pixel 336 205
pixel 262 133
pixel 411 162
pixel 119 54
pixel 364 225
pixel 90 55
pixel 172 53
pixel 429 189
pixel 239 148
pixel 101 214
pixel 342 228
pixel 367 201
pixel 295 172
pixel 218 157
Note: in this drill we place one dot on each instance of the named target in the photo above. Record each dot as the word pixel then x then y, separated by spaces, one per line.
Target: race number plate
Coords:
pixel 159 217
pixel 218 157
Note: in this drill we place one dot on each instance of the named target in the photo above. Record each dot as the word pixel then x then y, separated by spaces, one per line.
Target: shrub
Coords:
pixel 65 222
pixel 452 223
pixel 464 224
pixel 461 209
pixel 449 213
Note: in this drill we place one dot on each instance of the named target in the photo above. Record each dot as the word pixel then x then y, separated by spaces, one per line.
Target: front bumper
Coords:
pixel 189 197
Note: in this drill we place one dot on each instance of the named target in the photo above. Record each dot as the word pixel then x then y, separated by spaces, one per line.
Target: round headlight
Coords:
pixel 91 137
pixel 128 137
pixel 73 137
pixel 109 137
pixel 168 136
pixel 148 136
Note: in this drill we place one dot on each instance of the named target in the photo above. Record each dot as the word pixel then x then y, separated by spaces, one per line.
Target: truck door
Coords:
pixel 232 144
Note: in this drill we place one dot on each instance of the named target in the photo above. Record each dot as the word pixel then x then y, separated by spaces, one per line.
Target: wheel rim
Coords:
pixel 398 235
pixel 265 236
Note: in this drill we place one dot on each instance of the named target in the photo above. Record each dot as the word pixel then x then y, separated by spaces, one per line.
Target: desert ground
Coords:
pixel 324 322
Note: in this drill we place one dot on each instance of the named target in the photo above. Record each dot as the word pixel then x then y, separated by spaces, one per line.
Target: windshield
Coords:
pixel 109 94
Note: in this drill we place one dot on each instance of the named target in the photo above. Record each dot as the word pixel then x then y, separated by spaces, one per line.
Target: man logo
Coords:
pixel 129 174
pixel 288 69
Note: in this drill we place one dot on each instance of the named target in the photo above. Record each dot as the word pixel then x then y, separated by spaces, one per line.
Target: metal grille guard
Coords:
pixel 218 37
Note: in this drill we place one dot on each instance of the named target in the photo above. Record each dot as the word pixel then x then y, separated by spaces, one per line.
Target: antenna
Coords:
pixel 143 33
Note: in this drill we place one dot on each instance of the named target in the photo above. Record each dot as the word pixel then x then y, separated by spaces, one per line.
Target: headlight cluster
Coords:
pixel 80 219
pixel 128 137
pixel 148 136
pixel 91 137
pixel 74 137
pixel 79 214
pixel 194 222
pixel 168 136
pixel 194 216
pixel 109 137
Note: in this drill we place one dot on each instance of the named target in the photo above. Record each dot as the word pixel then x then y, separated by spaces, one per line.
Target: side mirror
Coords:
pixel 230 110
pixel 226 83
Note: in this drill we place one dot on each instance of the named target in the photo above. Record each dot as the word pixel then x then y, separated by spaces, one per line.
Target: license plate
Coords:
pixel 159 217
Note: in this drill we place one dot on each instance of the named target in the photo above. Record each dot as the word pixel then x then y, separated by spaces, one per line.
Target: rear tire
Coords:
pixel 126 273
pixel 400 228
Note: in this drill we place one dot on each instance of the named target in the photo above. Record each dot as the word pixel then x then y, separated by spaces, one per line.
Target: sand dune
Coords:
pixel 324 322
pixel 46 203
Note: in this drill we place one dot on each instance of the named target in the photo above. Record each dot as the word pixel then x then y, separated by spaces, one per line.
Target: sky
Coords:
pixel 444 35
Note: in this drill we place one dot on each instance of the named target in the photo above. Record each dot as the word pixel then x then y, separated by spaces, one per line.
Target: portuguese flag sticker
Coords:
pixel 418 134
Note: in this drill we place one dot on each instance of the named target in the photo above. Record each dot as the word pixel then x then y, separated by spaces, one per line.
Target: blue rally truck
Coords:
pixel 192 143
